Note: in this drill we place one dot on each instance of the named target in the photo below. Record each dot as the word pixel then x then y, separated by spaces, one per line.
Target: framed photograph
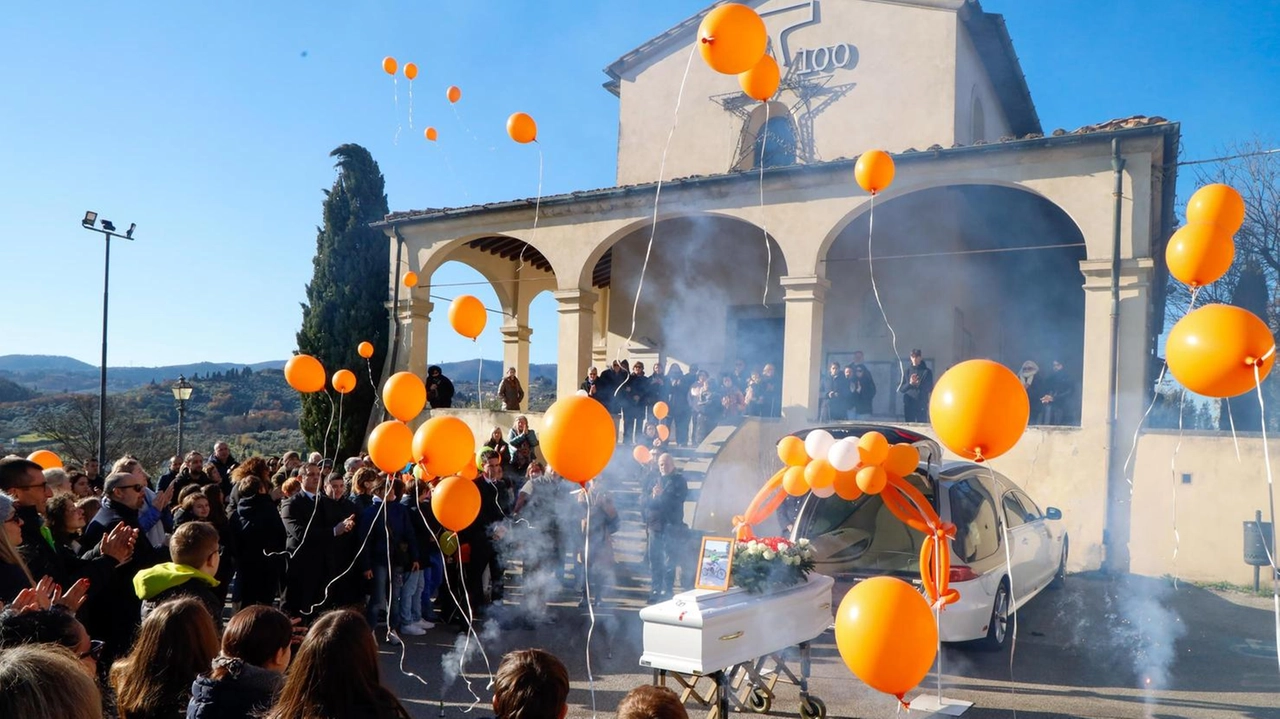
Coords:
pixel 715 564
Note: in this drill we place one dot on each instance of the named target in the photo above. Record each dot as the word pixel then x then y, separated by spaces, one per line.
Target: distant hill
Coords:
pixel 52 373
pixel 493 369
pixel 14 392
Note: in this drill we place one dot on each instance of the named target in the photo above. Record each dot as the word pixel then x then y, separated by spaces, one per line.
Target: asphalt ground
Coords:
pixel 1104 646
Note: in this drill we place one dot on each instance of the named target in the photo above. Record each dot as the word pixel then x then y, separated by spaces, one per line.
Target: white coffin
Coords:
pixel 704 631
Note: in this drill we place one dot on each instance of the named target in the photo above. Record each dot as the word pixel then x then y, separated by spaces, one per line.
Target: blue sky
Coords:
pixel 210 125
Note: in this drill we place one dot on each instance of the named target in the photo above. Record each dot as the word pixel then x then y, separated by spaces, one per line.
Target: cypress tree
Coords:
pixel 346 300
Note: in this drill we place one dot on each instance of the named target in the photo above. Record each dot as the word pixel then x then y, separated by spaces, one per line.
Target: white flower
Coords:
pixel 769 554
pixel 803 542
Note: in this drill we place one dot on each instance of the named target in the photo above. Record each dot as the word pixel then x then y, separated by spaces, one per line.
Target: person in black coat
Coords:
pixel 862 390
pixel 259 534
pixel 439 388
pixel 662 508
pixel 1059 395
pixel 677 399
pixel 916 387
pixel 348 587
pixel 485 532
pixel 248 672
pixel 115 617
pixel 635 401
pixel 591 385
pixel 306 543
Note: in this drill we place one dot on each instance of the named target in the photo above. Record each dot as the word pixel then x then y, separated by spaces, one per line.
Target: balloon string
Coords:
pixel 395 89
pixel 1234 439
pixel 653 228
pixel 1155 396
pixel 337 440
pixel 764 226
pixel 465 127
pixel 1271 500
pixel 411 104
pixel 315 504
pixel 324 445
pixel 586 584
pixel 325 596
pixel 386 526
pixel 537 206
pixel 464 610
pixel 871 269
pixel 1012 615
pixel 1173 476
pixel 480 378
pixel 368 366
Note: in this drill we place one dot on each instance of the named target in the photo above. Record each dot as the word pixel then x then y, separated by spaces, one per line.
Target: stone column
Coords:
pixel 802 354
pixel 1130 360
pixel 577 315
pixel 515 353
pixel 411 318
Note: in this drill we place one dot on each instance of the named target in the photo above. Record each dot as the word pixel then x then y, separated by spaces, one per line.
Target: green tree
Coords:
pixel 345 299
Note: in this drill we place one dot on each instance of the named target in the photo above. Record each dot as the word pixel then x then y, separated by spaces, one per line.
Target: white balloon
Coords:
pixel 582 393
pixel 843 455
pixel 818 442
pixel 824 492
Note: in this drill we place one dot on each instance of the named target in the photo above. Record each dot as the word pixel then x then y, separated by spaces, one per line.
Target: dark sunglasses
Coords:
pixel 95 650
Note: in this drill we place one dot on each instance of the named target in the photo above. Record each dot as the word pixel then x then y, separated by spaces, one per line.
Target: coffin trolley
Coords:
pixel 737 640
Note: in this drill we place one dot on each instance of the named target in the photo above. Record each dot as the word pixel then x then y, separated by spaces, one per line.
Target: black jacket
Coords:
pixel 439 389
pixel 258 530
pixel 919 391
pixel 305 576
pixel 45 559
pixel 667 509
pixel 224 471
pixel 494 508
pixel 116 615
pixel 245 691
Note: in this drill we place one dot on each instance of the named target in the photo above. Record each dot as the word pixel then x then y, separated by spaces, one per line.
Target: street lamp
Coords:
pixel 108 230
pixel 181 393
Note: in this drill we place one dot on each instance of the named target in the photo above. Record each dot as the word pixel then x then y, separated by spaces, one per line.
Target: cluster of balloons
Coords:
pixel 732 39
pixel 46 459
pixel 306 374
pixel 643 454
pixel 389 66
pixel 1215 350
pixel 443 446
pixel 885 629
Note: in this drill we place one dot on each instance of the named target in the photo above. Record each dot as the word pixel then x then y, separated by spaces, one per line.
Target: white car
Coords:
pixel 860 539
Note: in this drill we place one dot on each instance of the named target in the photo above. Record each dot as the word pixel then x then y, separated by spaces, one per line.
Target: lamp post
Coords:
pixel 108 230
pixel 181 393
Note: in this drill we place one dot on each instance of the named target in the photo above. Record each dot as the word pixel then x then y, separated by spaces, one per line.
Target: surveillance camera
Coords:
pixel 108 226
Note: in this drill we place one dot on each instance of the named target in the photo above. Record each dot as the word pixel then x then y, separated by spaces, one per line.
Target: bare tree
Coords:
pixel 73 425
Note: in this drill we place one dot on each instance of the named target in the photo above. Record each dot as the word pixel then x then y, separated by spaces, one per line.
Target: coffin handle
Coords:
pixel 731 637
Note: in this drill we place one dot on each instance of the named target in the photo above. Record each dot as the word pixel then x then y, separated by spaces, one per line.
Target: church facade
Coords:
pixel 735 231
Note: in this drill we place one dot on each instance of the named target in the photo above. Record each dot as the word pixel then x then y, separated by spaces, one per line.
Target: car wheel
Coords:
pixel 1060 579
pixel 998 629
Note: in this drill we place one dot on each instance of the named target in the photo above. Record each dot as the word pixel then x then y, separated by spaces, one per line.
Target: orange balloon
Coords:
pixel 871 480
pixel 902 459
pixel 344 380
pixel 578 436
pixel 404 396
pixel 641 454
pixel 732 38
pixel 873 448
pixel 874 171
pixel 454 93
pixel 664 432
pixel 886 634
pixel 46 459
pixel 793 482
pixel 846 485
pixel 391 446
pixel 304 373
pixel 365 349
pixel 1199 253
pixel 410 70
pixel 792 452
pixel 979 409
pixel 1212 350
pixel 661 410
pixel 522 128
pixel 761 82
pixel 444 445
pixel 430 133
pixel 389 65
pixel 1217 204
pixel 469 471
pixel 819 474
pixel 467 315
pixel 410 279
pixel 456 503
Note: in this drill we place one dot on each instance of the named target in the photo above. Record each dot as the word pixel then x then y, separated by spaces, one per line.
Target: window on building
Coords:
pixel 775 143
pixel 978 122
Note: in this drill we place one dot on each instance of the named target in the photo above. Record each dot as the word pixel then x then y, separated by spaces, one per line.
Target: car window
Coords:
pixel 1014 514
pixel 1033 510
pixel 973 511
pixel 863 534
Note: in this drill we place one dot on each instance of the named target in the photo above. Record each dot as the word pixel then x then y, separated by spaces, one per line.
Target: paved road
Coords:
pixel 1102 647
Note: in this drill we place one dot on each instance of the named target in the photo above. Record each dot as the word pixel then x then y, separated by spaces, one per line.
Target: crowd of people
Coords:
pixel 225 587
